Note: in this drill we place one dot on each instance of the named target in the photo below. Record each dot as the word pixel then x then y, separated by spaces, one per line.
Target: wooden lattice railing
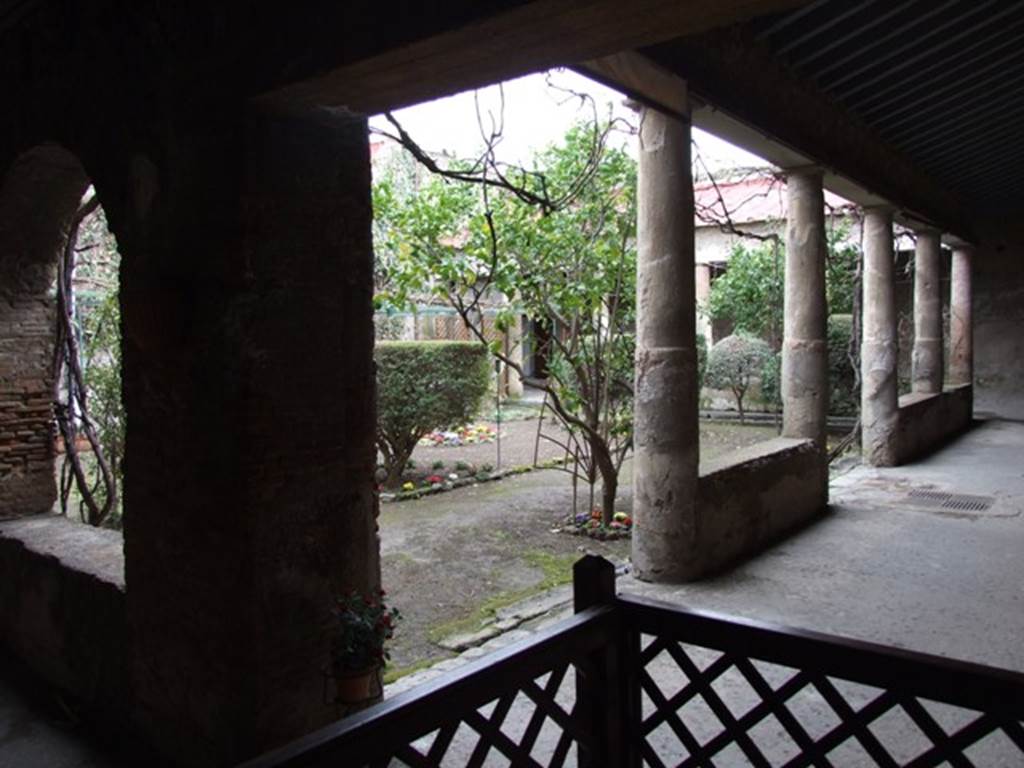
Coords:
pixel 632 682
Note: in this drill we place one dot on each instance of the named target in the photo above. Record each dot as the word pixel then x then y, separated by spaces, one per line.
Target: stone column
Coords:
pixel 514 349
pixel 248 373
pixel 666 453
pixel 879 392
pixel 702 286
pixel 961 328
pixel 926 359
pixel 804 348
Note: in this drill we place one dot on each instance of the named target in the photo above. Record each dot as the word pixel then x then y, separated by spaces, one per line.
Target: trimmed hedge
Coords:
pixel 423 386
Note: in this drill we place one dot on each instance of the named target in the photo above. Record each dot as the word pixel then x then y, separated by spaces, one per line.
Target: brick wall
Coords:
pixel 26 424
pixel 39 194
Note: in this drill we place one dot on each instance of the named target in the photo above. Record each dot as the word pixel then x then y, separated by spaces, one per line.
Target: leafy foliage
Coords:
pixel 95 312
pixel 702 359
pixel 101 331
pixel 423 386
pixel 750 293
pixel 771 382
pixel 571 268
pixel 844 395
pixel 363 625
pixel 734 362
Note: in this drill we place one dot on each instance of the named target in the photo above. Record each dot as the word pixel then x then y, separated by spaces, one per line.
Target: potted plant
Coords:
pixel 362 626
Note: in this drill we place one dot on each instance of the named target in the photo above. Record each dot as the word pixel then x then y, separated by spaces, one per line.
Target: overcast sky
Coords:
pixel 535 115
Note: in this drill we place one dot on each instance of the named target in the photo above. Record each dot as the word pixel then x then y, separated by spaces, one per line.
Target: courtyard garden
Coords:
pixel 456 561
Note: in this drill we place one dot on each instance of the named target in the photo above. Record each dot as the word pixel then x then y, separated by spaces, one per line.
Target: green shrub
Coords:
pixel 844 396
pixel 771 382
pixel 734 362
pixel 702 360
pixel 423 386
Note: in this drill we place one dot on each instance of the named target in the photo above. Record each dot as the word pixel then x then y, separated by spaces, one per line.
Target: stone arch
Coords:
pixel 39 195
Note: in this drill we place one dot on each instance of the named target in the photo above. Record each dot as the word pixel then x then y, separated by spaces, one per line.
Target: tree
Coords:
pixel 750 293
pixel 734 362
pixel 87 364
pixel 558 243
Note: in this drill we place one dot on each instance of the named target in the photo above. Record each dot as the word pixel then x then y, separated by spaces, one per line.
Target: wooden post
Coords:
pixel 593 582
pixel 603 682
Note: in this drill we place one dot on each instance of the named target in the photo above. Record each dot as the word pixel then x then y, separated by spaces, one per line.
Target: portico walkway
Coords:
pixel 881 566
pixel 897 570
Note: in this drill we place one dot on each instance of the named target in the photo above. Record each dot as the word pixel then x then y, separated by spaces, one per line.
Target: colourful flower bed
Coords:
pixel 590 524
pixel 471 434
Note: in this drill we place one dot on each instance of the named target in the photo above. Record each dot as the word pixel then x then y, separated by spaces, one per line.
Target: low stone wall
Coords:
pixel 62 606
pixel 926 422
pixel 752 496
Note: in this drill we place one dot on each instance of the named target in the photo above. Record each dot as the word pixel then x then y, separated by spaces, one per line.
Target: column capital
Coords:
pixel 811 169
pixel 882 209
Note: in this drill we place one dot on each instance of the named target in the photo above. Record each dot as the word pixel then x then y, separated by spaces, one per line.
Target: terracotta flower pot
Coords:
pixel 353 686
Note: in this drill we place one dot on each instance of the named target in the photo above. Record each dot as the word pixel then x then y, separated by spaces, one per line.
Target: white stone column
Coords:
pixel 702 286
pixel 804 346
pixel 961 320
pixel 879 393
pixel 666 450
pixel 926 359
pixel 514 349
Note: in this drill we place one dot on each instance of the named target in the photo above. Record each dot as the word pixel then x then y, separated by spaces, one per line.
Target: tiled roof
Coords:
pixel 752 199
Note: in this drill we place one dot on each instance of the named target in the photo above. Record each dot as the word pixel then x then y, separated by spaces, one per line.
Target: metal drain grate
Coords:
pixel 960 502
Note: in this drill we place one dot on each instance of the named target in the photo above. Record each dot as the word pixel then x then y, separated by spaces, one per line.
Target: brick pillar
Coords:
pixel 666 455
pixel 39 195
pixel 926 359
pixel 804 347
pixel 961 321
pixel 879 410
pixel 248 383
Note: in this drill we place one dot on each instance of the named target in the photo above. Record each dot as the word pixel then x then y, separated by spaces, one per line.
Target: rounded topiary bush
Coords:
pixel 423 386
pixel 734 362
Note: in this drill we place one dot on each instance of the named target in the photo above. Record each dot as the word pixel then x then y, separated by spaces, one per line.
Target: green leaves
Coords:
pixel 423 386
pixel 568 264
pixel 750 293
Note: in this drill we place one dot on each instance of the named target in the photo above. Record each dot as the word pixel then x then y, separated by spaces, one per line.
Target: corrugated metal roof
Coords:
pixel 942 81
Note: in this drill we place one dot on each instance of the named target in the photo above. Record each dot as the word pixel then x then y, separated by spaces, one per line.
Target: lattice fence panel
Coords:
pixel 533 725
pixel 704 707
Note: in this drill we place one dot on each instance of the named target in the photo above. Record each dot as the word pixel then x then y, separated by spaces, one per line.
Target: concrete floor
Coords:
pixel 882 568
pixel 36 732
pixel 876 567
pixel 887 568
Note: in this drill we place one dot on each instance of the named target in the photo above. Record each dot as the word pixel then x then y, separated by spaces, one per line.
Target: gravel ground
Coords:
pixel 518 440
